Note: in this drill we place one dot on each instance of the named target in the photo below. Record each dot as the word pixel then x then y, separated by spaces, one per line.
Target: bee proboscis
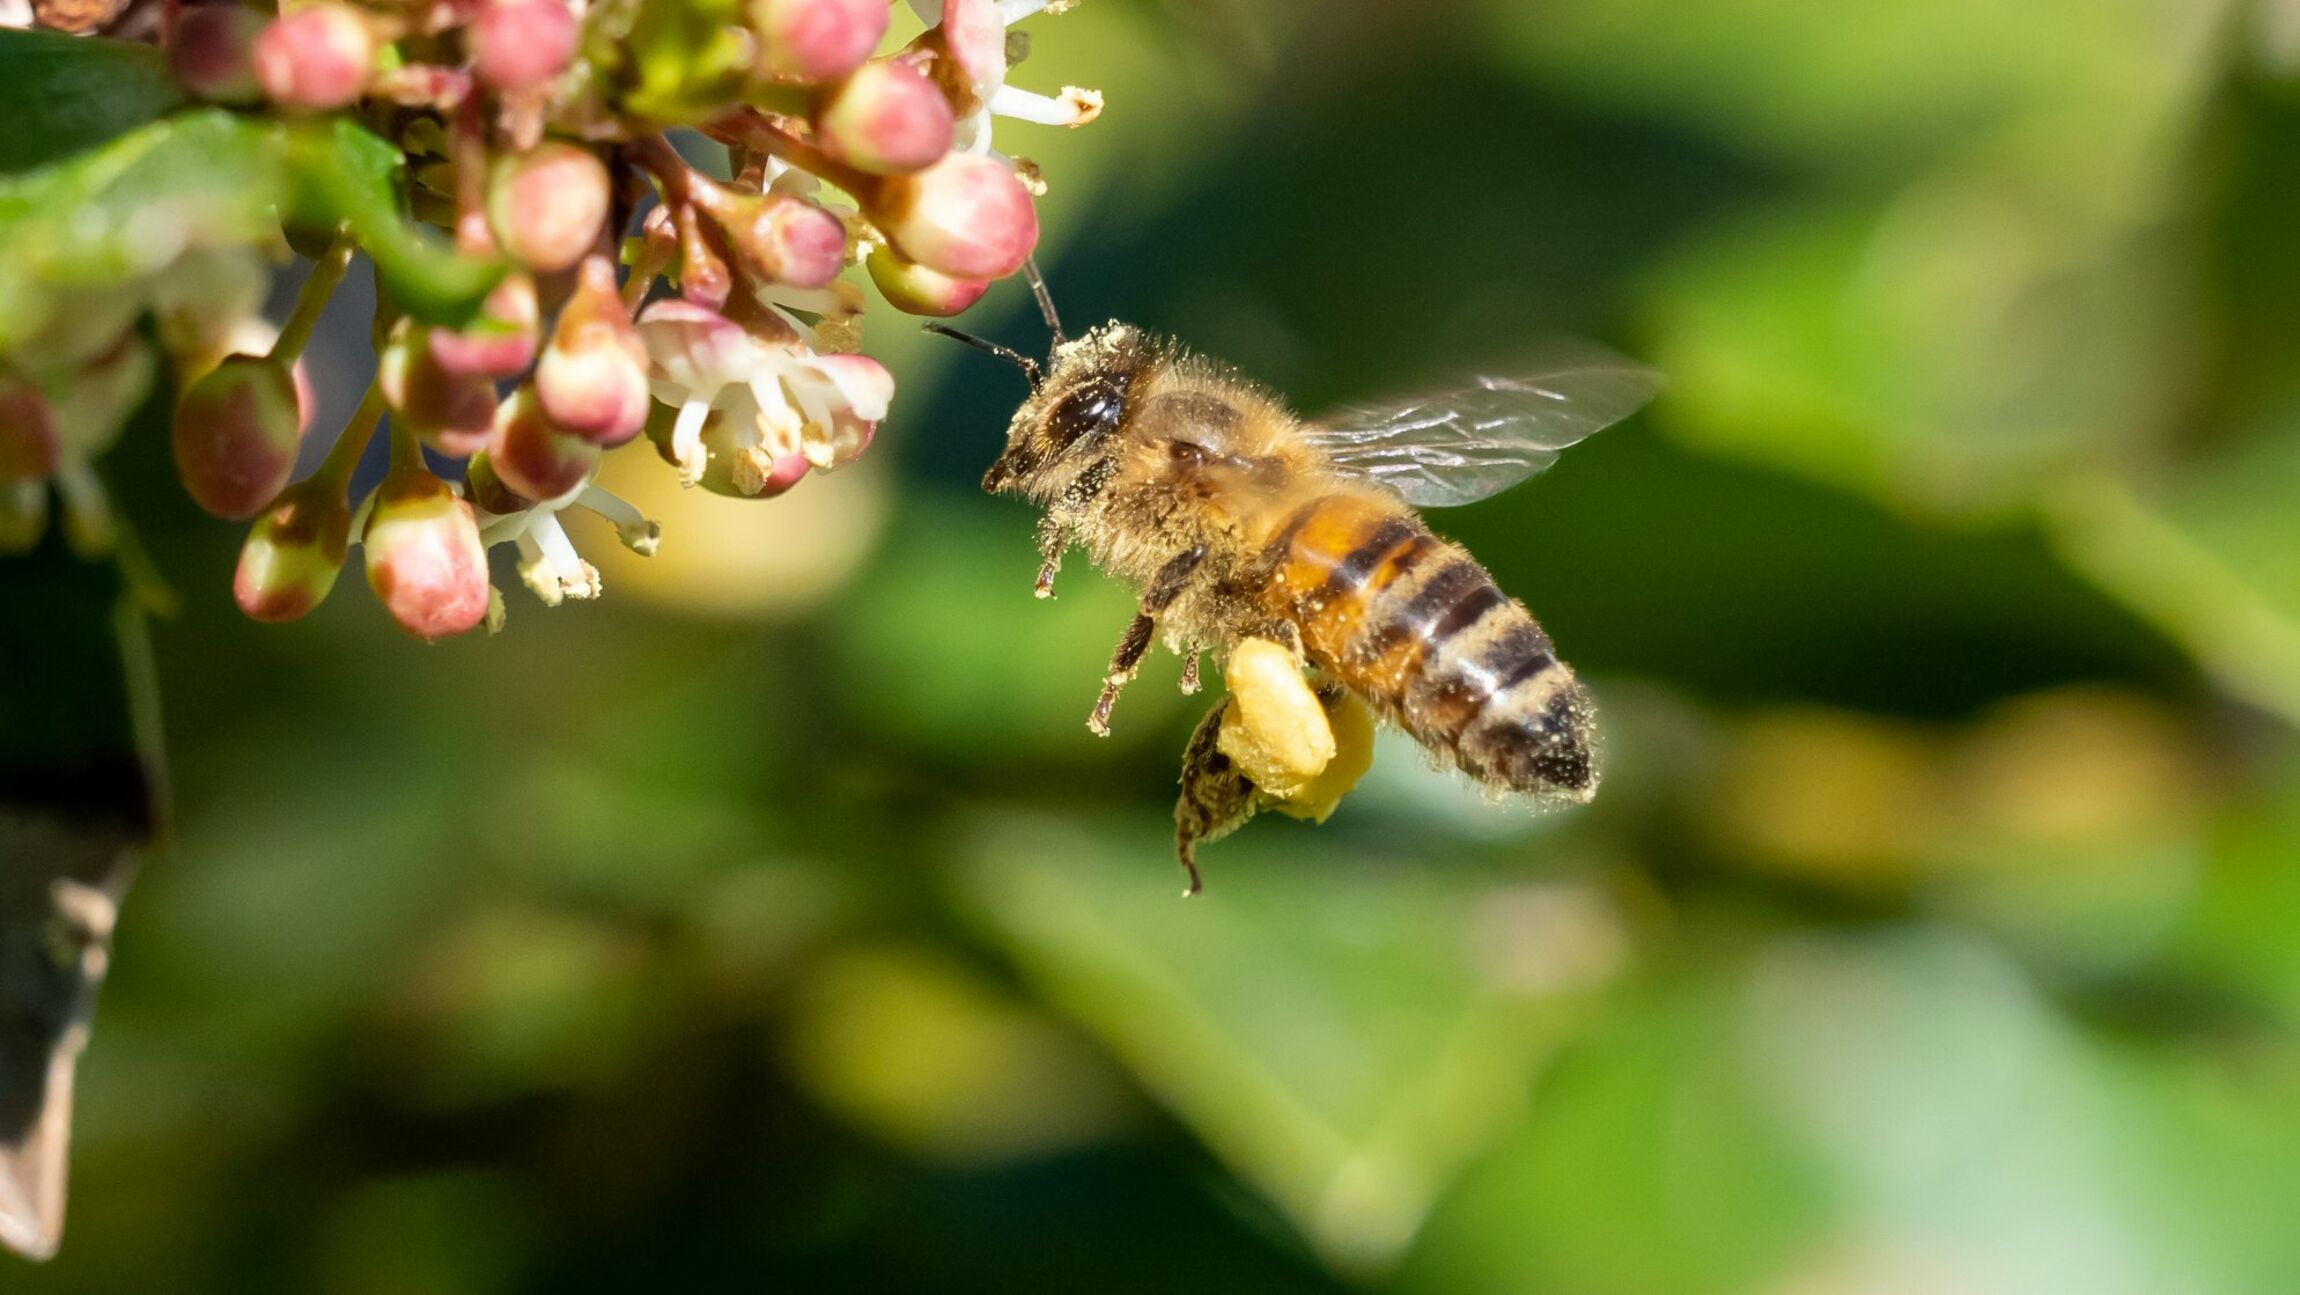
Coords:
pixel 1234 519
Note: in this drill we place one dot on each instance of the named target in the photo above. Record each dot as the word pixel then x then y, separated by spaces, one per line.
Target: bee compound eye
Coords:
pixel 1087 414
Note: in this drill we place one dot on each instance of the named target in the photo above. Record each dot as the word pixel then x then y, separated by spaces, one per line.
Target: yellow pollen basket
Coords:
pixel 1302 754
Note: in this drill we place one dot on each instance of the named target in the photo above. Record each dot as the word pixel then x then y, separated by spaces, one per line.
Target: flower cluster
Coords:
pixel 644 293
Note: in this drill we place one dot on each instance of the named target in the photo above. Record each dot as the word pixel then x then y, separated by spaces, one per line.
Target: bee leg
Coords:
pixel 1171 580
pixel 1131 648
pixel 1053 537
pixel 1190 669
pixel 1217 798
pixel 1165 587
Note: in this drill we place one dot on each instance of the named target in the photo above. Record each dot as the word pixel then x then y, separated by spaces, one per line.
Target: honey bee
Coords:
pixel 1236 520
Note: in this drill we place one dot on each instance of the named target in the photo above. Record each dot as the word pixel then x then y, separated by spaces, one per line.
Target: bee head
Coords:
pixel 1073 407
pixel 1077 397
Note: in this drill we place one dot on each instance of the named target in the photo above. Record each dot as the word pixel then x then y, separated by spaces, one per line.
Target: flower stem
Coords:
pixel 672 174
pixel 752 129
pixel 310 303
pixel 648 259
pixel 467 152
pixel 151 590
pixel 406 451
pixel 337 468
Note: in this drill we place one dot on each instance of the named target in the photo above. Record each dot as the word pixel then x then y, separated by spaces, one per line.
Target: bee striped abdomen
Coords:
pixel 1419 629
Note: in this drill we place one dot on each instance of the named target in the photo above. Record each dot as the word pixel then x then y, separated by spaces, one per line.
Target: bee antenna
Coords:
pixel 1045 300
pixel 1028 366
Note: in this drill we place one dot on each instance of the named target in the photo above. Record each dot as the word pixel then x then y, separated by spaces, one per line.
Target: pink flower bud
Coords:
pixel 914 289
pixel 816 40
pixel 29 446
pixel 532 456
pixel 886 118
pixel 317 58
pixel 776 237
pixel 424 556
pixel 214 53
pixel 521 44
pixel 966 216
pixel 546 206
pixel 703 274
pixel 974 37
pixel 592 379
pixel 501 341
pixel 236 434
pixel 487 492
pixel 294 552
pixel 452 413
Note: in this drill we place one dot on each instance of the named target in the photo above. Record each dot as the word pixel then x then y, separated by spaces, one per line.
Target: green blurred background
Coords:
pixel 776 924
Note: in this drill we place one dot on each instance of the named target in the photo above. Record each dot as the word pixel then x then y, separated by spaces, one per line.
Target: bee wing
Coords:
pixel 1455 447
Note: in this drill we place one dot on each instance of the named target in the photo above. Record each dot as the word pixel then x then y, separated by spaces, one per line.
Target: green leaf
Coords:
pixel 204 180
pixel 1831 343
pixel 1347 1037
pixel 1811 1114
pixel 1650 1165
pixel 345 173
pixel 128 210
pixel 2209 555
pixel 60 94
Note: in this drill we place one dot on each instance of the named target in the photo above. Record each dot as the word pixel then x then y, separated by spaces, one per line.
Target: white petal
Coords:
pixel 972 134
pixel 535 571
pixel 1075 107
pixel 577 578
pixel 687 441
pixel 631 526
pixel 779 425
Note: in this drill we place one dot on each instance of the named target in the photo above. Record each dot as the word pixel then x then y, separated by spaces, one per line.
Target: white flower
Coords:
pixel 775 396
pixel 548 562
pixel 974 31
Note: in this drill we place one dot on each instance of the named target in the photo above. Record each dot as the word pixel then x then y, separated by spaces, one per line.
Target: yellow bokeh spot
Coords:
pixel 742 557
